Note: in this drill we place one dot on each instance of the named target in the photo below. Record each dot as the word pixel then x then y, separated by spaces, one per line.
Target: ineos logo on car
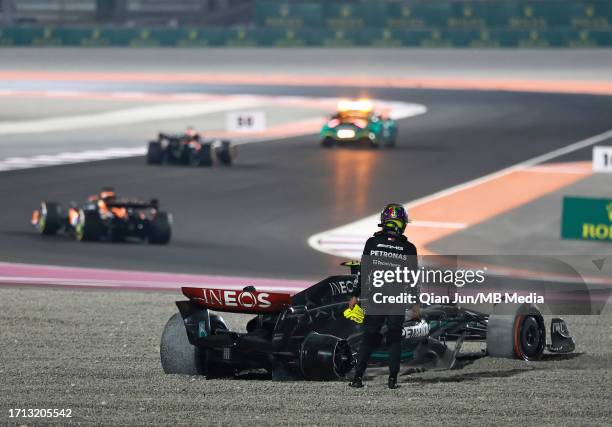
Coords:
pixel 229 298
pixel 247 300
pixel 342 287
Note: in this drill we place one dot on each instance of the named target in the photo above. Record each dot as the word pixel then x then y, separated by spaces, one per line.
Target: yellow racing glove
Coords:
pixel 356 314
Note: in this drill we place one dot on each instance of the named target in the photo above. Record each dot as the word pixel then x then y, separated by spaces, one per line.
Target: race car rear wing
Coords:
pixel 246 300
pixel 178 137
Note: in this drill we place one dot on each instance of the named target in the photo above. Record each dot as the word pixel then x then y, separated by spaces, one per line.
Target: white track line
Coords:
pixel 14 163
pixel 360 230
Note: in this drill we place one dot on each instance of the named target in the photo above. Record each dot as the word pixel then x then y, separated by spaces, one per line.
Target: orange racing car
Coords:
pixel 104 216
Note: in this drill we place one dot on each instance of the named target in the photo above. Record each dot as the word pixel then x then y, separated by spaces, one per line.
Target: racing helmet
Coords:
pixel 394 218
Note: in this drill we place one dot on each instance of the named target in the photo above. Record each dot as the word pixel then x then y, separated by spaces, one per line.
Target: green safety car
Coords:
pixel 357 123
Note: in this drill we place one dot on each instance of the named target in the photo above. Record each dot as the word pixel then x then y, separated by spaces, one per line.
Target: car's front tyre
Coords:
pixel 49 218
pixel 226 153
pixel 89 226
pixel 516 332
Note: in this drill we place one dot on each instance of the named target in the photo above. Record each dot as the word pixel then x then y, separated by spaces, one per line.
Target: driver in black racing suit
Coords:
pixel 391 239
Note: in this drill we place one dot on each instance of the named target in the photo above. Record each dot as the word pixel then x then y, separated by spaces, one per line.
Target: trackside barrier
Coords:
pixel 438 14
pixel 290 37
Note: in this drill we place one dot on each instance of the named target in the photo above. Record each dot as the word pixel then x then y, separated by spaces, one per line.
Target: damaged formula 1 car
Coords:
pixel 189 148
pixel 104 216
pixel 305 336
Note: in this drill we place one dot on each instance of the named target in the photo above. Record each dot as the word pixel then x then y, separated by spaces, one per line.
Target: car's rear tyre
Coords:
pixel 518 332
pixel 160 230
pixel 226 153
pixel 325 357
pixel 206 154
pixel 184 156
pixel 89 226
pixel 176 353
pixel 50 219
pixel 155 153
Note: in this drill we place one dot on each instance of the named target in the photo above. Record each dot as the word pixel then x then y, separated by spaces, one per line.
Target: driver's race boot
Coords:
pixel 393 383
pixel 356 383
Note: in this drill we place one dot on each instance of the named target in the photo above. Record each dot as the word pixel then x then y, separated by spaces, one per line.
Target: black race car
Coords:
pixel 305 336
pixel 189 148
pixel 105 217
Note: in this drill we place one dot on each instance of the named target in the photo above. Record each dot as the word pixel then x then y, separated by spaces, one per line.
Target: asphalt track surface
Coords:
pixel 254 218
